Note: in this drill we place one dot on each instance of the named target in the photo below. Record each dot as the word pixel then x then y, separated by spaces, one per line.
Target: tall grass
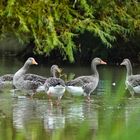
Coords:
pixel 115 105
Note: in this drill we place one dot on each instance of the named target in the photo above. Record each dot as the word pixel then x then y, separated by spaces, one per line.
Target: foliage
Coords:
pixel 53 24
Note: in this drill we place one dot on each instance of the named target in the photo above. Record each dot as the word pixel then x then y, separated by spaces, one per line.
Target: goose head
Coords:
pixel 125 62
pixel 55 69
pixel 23 69
pixel 98 61
pixel 31 61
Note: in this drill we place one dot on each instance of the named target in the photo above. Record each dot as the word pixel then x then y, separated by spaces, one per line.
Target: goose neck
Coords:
pixel 53 73
pixel 94 69
pixel 21 71
pixel 129 70
pixel 25 68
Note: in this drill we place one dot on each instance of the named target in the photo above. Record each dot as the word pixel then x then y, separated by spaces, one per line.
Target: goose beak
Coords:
pixel 122 64
pixel 34 62
pixel 103 62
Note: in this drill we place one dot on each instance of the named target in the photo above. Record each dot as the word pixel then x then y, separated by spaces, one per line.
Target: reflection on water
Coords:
pixel 53 118
pixel 23 111
pixel 39 119
pixel 81 111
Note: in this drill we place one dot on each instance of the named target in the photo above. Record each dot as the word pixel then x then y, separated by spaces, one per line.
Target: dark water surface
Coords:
pixel 37 119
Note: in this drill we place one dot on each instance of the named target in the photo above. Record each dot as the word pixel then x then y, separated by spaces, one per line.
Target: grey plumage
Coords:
pixel 80 81
pixel 74 82
pixel 52 82
pixel 34 77
pixel 40 79
pixel 21 81
pixel 6 80
pixel 7 77
pixel 88 83
pixel 54 87
pixel 1 84
pixel 132 82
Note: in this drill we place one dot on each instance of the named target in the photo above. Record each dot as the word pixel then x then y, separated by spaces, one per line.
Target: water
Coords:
pixel 33 119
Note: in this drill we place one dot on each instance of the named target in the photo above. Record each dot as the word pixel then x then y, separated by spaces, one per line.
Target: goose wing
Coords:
pixel 7 77
pixel 52 81
pixel 34 78
pixel 134 80
pixel 75 82
pixel 31 85
pixel 87 79
pixel 89 87
pixel 82 80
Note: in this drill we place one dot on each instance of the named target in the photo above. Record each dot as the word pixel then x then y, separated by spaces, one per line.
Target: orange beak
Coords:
pixel 34 62
pixel 102 62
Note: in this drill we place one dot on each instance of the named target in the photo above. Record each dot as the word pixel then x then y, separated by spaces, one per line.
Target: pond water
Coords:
pixel 38 119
